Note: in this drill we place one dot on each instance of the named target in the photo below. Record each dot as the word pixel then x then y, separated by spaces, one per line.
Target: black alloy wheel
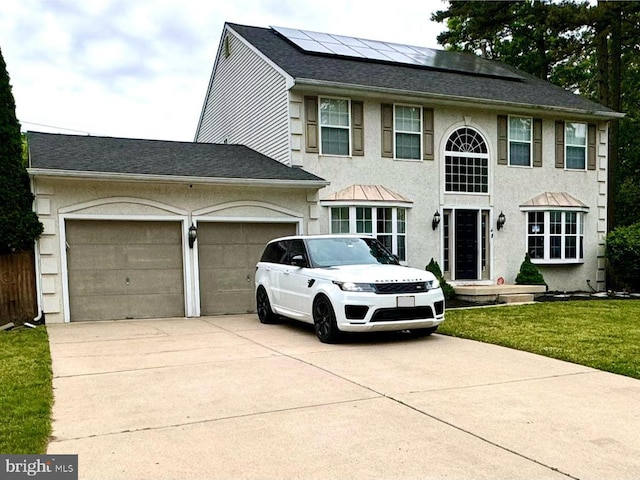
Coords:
pixel 263 306
pixel 324 320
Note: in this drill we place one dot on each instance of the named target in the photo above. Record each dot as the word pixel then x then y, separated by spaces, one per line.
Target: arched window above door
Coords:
pixel 466 162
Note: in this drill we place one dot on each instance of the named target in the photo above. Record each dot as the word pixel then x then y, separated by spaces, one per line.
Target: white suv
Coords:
pixel 345 283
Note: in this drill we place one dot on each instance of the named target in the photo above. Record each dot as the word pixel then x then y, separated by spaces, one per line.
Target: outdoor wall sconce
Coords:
pixel 501 220
pixel 436 220
pixel 193 235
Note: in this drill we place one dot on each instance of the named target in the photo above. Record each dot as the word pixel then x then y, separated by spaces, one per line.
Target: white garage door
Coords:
pixel 120 270
pixel 227 256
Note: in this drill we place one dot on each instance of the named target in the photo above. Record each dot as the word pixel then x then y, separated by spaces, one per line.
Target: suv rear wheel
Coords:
pixel 263 306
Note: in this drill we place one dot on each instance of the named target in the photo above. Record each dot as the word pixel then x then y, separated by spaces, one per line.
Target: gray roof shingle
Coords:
pixel 527 91
pixel 109 155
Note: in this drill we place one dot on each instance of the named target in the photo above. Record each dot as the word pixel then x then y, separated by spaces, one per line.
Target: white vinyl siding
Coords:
pixel 247 104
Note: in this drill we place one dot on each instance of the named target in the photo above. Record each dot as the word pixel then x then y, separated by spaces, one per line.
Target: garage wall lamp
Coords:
pixel 501 220
pixel 193 235
pixel 436 220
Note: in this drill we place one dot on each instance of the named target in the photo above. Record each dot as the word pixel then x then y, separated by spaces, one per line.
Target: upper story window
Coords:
pixel 466 162
pixel 520 141
pixel 555 236
pixel 387 224
pixel 575 145
pixel 334 126
pixel 408 132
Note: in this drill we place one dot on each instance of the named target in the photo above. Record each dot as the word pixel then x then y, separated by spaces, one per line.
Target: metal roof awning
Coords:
pixel 554 201
pixel 354 194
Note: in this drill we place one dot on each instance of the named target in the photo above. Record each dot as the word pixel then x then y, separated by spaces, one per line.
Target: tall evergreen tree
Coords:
pixel 19 225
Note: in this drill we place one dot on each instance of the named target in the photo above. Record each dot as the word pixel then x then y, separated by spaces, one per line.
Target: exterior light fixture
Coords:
pixel 193 235
pixel 436 220
pixel 501 220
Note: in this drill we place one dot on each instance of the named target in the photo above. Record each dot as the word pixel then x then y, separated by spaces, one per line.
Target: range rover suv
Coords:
pixel 345 283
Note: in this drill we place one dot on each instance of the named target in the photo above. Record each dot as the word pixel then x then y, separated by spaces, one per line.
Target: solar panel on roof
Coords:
pixel 343 46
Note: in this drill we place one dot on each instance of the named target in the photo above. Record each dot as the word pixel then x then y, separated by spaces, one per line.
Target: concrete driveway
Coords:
pixel 227 397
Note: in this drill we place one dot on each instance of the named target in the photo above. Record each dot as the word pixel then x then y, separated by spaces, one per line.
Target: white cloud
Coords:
pixel 140 68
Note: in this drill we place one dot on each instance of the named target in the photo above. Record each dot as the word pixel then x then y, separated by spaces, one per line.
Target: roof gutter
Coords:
pixel 302 82
pixel 132 177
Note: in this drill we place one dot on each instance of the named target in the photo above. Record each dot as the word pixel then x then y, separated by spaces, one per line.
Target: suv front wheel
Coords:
pixel 324 320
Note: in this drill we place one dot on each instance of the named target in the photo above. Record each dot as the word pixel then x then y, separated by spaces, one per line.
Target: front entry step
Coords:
pixel 516 298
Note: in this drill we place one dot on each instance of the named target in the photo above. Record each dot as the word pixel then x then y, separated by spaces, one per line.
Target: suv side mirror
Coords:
pixel 298 261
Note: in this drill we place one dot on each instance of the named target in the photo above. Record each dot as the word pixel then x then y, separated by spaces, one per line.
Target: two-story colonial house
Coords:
pixel 438 154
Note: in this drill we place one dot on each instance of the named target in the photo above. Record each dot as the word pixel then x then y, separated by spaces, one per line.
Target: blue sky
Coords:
pixel 140 68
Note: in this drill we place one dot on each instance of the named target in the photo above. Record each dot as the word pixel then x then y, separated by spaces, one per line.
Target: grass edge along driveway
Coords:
pixel 602 334
pixel 26 391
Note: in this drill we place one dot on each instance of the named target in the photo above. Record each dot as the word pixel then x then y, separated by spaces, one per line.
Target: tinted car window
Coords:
pixel 275 252
pixel 296 247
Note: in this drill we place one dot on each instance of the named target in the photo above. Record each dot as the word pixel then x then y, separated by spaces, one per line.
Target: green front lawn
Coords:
pixel 603 334
pixel 26 392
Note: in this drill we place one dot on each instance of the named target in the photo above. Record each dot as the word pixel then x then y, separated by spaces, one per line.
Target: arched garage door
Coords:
pixel 227 257
pixel 124 269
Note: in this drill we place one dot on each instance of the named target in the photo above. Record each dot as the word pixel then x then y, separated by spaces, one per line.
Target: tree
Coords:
pixel 19 225
pixel 588 49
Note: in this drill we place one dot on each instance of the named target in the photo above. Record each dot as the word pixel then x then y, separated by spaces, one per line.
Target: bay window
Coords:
pixel 555 236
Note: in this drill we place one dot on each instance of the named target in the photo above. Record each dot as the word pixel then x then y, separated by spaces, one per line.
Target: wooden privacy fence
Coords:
pixel 18 301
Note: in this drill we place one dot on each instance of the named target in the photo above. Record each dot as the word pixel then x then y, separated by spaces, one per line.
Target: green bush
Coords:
pixel 623 254
pixel 447 289
pixel 529 273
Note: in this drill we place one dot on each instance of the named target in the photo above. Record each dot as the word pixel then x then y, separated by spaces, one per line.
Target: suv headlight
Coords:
pixel 355 287
pixel 434 284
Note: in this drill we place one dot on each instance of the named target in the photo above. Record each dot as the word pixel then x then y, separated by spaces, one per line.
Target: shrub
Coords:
pixel 529 273
pixel 623 254
pixel 447 289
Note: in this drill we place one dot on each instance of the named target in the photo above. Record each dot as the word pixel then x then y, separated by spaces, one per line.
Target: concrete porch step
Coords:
pixel 516 298
pixel 487 294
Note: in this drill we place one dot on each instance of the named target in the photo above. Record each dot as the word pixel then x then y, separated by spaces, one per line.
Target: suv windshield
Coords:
pixel 330 252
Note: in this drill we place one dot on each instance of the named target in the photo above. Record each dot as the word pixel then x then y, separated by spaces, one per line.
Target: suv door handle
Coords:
pixel 286 272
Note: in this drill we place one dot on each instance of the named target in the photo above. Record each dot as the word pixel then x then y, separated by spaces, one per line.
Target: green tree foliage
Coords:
pixel 529 273
pixel 588 49
pixel 623 254
pixel 19 225
pixel 448 291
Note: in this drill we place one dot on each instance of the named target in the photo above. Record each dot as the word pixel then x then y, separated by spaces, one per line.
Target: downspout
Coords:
pixel 39 319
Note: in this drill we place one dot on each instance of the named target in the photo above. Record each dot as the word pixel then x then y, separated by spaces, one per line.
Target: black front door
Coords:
pixel 466 244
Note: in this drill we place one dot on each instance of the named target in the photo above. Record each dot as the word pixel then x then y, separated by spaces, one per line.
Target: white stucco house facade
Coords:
pixel 439 154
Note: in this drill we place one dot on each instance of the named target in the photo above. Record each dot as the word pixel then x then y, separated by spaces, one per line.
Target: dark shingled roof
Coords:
pixel 527 91
pixel 74 153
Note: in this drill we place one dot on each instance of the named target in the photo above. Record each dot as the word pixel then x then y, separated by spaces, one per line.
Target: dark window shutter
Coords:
pixel 357 127
pixel 311 131
pixel 591 147
pixel 502 140
pixel 387 130
pixel 559 144
pixel 537 142
pixel 427 122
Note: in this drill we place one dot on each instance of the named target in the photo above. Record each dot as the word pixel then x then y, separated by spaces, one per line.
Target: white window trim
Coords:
pixel 519 141
pixel 320 126
pixel 420 133
pixel 547 260
pixel 585 147
pixel 450 153
pixel 394 222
